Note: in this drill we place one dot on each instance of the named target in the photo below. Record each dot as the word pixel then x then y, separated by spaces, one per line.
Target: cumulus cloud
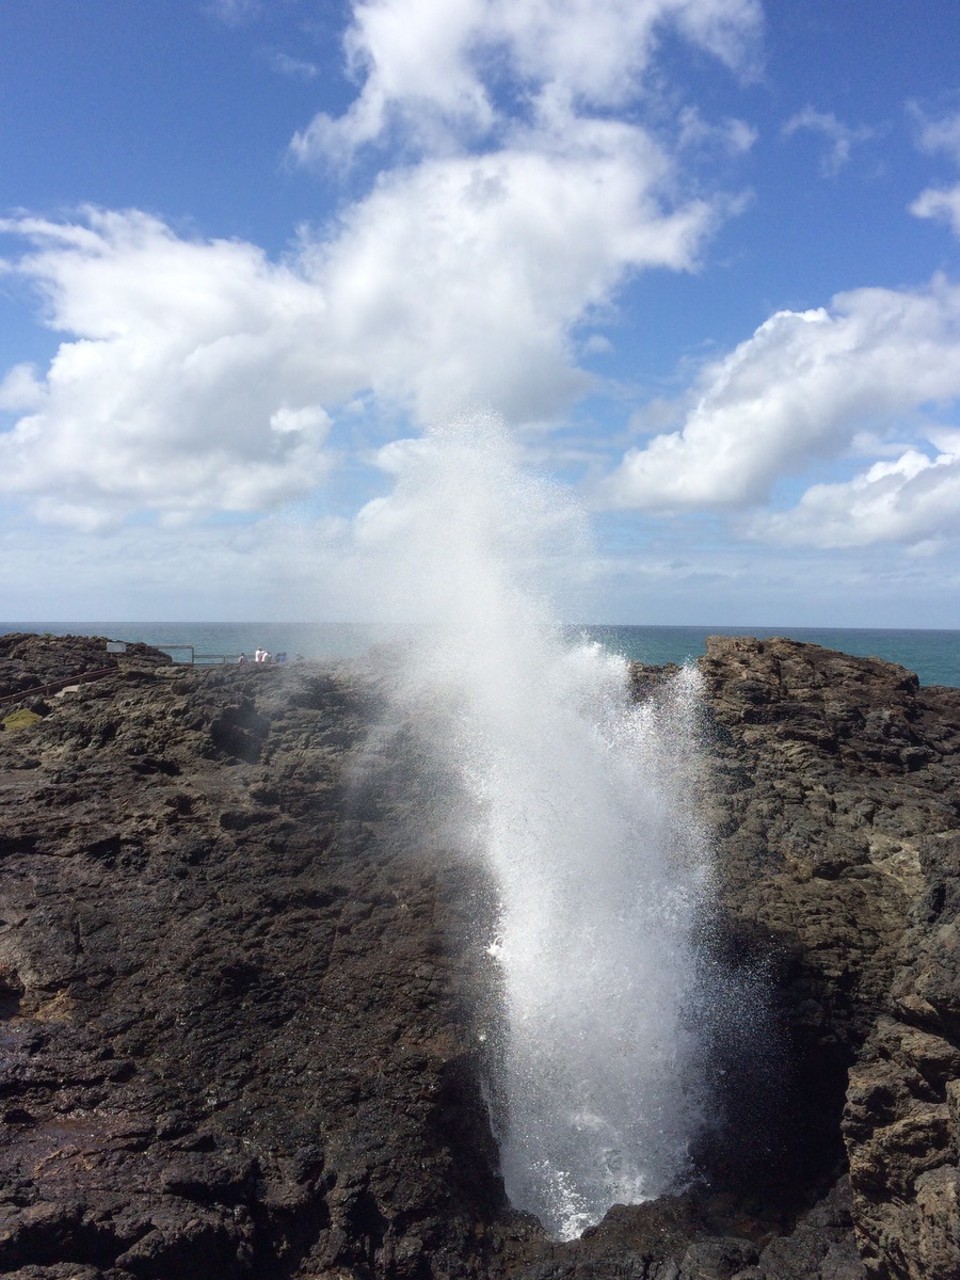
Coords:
pixel 530 202
pixel 914 499
pixel 800 390
pixel 840 136
pixel 458 282
pixel 164 396
pixel 199 375
pixel 21 389
pixel 435 73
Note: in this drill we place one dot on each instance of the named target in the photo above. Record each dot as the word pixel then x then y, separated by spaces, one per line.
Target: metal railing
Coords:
pixel 84 677
pixel 54 686
pixel 196 659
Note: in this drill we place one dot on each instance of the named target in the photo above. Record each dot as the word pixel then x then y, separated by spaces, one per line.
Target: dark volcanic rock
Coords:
pixel 836 801
pixel 235 1031
pixel 28 663
pixel 244 1004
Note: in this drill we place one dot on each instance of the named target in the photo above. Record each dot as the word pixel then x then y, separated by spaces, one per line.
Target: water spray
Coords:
pixel 579 806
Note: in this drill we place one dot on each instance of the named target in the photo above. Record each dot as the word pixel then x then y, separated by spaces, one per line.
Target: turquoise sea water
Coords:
pixel 933 655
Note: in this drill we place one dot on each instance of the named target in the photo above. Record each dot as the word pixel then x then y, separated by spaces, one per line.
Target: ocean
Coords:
pixel 933 655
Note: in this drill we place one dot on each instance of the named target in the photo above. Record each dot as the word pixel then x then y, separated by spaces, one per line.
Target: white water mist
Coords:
pixel 580 802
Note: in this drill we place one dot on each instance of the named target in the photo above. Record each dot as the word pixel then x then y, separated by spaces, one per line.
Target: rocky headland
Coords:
pixel 245 1019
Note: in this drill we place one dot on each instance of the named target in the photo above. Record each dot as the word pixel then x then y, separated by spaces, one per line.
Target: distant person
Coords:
pixel 281 657
pixel 242 658
pixel 260 655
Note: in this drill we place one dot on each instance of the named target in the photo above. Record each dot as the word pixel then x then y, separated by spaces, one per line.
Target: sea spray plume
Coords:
pixel 599 873
pixel 577 803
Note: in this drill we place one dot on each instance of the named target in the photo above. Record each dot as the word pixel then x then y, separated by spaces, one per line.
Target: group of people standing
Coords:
pixel 263 655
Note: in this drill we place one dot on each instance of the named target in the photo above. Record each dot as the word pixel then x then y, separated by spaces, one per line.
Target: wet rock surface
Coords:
pixel 245 1002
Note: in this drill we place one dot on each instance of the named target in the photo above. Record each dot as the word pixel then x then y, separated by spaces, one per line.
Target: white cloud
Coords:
pixel 290 568
pixel 935 135
pixel 21 389
pixel 457 283
pixel 311 419
pixel 199 376
pixel 413 55
pixel 841 137
pixel 433 70
pixel 942 205
pixel 800 389
pixel 179 353
pixel 914 500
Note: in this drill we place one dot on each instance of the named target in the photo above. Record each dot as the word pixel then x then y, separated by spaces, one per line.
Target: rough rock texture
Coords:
pixel 235 1038
pixel 30 662
pixel 244 1008
pixel 836 800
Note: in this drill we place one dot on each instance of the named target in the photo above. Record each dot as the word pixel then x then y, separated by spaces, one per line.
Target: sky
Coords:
pixel 698 257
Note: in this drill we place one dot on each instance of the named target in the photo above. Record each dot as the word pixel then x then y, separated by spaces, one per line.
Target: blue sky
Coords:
pixel 701 256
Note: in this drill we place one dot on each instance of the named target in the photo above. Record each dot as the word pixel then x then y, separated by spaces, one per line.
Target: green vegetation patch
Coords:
pixel 21 719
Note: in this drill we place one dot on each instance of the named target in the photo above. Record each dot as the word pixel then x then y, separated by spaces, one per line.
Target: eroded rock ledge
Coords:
pixel 242 1008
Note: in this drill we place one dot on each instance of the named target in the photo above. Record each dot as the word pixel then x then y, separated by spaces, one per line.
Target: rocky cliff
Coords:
pixel 244 1013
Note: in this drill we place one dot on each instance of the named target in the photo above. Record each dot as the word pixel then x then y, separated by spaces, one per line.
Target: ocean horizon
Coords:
pixel 934 655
